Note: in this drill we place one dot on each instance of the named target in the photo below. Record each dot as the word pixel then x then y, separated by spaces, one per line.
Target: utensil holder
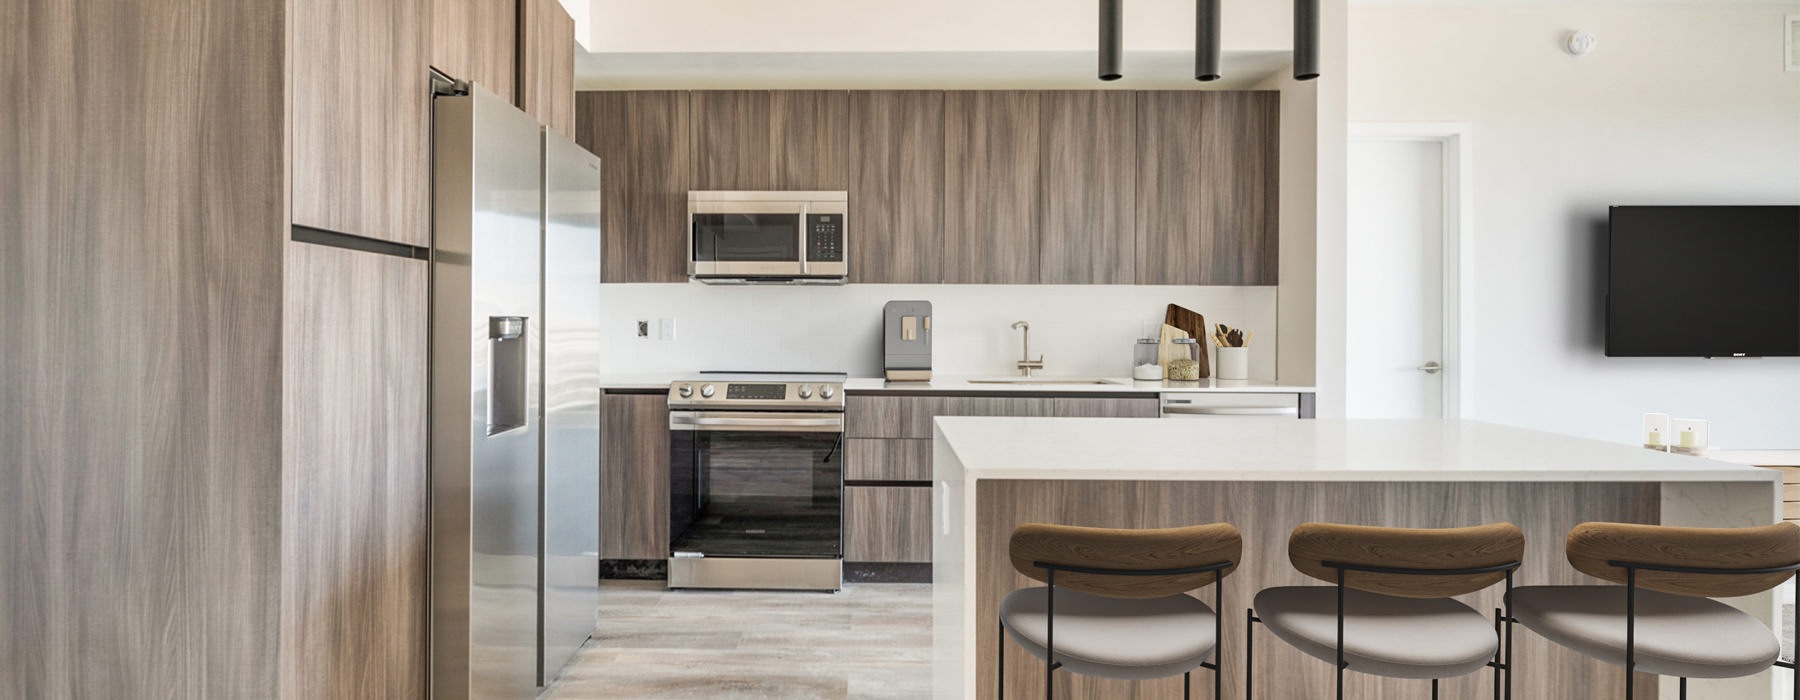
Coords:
pixel 1234 363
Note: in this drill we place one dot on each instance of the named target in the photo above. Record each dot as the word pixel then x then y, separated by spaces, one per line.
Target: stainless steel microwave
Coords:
pixel 768 237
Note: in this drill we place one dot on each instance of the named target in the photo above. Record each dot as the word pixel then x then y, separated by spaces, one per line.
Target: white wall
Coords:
pixel 1298 218
pixel 1080 330
pixel 1679 104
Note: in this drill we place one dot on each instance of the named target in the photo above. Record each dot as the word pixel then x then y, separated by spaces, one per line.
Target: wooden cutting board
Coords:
pixel 1195 325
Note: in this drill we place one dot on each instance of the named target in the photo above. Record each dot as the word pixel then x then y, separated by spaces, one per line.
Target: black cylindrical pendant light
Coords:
pixel 1206 40
pixel 1306 39
pixel 1111 44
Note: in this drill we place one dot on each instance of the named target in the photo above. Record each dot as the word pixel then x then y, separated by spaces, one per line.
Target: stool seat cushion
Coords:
pixel 1383 635
pixel 1125 638
pixel 1676 635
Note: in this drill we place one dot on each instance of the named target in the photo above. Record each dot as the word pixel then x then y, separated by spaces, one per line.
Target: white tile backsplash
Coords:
pixel 1079 329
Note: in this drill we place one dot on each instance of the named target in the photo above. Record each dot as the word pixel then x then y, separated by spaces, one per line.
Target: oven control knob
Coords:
pixel 826 392
pixel 805 392
pixel 707 391
pixel 685 391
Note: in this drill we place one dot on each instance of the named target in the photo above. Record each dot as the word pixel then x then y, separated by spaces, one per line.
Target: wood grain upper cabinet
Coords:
pixel 733 140
pixel 1089 167
pixel 642 139
pixel 547 64
pixel 810 139
pixel 991 187
pixel 896 187
pixel 634 476
pixel 476 40
pixel 361 118
pixel 1206 187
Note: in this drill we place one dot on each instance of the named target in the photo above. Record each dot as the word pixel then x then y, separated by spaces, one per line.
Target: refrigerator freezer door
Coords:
pixel 571 554
pixel 487 185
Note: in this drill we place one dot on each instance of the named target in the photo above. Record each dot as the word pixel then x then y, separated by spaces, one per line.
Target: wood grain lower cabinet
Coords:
pixel 887 524
pixel 353 521
pixel 547 64
pixel 867 459
pixel 360 124
pixel 910 416
pixel 634 476
pixel 1207 187
pixel 644 141
pixel 1079 407
pixel 991 187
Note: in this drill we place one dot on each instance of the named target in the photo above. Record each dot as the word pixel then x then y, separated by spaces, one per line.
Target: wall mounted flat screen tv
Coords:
pixel 1691 281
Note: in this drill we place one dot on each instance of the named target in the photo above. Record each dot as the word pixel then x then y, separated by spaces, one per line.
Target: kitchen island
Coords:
pixel 993 474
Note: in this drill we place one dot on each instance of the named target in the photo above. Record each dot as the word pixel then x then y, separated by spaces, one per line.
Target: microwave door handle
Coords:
pixel 801 250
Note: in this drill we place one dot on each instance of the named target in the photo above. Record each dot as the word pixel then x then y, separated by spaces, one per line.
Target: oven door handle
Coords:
pixel 756 422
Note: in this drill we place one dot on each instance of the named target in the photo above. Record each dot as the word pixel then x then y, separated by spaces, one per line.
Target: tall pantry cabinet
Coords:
pixel 212 391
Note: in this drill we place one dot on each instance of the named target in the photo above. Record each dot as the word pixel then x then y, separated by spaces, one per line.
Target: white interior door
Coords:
pixel 1395 310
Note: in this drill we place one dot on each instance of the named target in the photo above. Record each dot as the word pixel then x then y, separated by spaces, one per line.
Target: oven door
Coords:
pixel 746 239
pixel 756 484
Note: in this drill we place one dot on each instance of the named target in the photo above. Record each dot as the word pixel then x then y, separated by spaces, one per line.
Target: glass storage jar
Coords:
pixel 1143 361
pixel 1184 360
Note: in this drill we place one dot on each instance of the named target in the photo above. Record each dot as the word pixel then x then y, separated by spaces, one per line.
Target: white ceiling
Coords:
pixel 912 70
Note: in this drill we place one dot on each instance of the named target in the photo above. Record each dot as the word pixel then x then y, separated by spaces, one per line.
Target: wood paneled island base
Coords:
pixel 1266 513
pixel 973 574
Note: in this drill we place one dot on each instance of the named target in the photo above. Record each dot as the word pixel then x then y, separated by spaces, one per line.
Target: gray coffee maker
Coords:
pixel 906 340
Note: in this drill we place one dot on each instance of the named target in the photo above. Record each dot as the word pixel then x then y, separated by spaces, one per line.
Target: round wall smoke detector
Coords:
pixel 1580 43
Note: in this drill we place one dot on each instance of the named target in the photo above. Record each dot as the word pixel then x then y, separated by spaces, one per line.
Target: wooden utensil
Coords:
pixel 1195 326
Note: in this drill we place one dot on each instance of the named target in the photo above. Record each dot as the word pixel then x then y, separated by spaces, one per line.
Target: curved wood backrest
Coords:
pixel 1494 544
pixel 1107 548
pixel 1591 545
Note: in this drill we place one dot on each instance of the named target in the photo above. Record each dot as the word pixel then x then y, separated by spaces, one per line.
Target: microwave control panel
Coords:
pixel 825 237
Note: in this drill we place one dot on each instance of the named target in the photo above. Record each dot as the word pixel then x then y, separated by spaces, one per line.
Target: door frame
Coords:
pixel 1457 142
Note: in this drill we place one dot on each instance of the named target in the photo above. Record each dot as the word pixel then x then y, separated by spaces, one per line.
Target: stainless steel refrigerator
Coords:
pixel 515 399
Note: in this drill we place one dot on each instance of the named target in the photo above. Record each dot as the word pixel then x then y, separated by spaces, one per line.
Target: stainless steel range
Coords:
pixel 757 481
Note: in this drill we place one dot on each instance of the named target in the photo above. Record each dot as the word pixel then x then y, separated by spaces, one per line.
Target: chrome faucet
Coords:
pixel 1026 364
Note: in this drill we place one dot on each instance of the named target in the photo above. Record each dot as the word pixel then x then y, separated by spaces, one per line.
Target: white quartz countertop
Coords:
pixel 1252 449
pixel 1048 384
pixel 969 385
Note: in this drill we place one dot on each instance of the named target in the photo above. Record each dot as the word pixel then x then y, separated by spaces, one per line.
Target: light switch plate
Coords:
pixel 665 329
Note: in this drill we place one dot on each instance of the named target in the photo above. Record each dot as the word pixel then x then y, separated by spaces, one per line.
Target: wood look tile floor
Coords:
pixel 867 641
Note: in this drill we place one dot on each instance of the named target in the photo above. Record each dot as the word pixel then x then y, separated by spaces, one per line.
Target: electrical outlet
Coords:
pixel 665 328
pixel 643 328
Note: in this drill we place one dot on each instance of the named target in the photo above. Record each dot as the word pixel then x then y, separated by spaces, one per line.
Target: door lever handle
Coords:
pixel 1431 368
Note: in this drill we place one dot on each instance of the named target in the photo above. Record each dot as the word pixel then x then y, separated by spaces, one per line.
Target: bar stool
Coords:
pixel 1113 603
pixel 1389 612
pixel 1664 619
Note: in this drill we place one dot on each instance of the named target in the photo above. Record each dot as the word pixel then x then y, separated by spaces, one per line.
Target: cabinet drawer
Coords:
pixel 1074 407
pixel 910 416
pixel 872 459
pixel 887 524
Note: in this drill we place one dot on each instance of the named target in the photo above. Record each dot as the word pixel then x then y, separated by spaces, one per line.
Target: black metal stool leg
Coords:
pixel 1684 688
pixel 1000 676
pixel 1187 686
pixel 1434 689
pixel 1250 652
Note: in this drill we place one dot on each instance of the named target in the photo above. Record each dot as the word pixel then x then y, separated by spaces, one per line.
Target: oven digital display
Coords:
pixel 756 392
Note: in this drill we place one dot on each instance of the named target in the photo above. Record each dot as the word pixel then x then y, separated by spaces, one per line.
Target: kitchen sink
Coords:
pixel 1089 381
